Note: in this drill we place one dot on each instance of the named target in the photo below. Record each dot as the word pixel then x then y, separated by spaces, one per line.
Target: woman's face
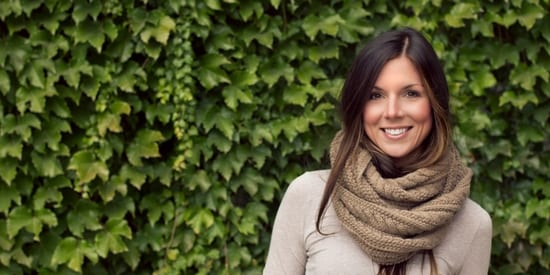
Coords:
pixel 398 116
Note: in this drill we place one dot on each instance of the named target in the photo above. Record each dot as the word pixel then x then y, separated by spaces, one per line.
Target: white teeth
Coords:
pixel 395 132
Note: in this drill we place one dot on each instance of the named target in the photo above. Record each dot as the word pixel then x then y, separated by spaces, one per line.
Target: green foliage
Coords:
pixel 157 137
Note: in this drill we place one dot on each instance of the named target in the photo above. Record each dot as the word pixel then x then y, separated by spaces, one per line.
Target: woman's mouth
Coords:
pixel 395 131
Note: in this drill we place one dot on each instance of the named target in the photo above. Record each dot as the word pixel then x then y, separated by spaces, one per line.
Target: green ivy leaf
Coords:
pixel 250 8
pixel 539 184
pixel 51 135
pixel 163 172
pixel 529 14
pixel 18 218
pixel 84 8
pixel 46 194
pixel 526 76
pixel 275 69
pixel 29 6
pixel 249 179
pixel 213 4
pixel 40 218
pixel 200 179
pixel 5 84
pixel 67 251
pixel 355 23
pixel 129 77
pixel 313 24
pixel 8 169
pixel 461 11
pixel 237 158
pixel 10 146
pixel 511 229
pixel 234 95
pixel 507 53
pixel 237 253
pixel 144 146
pixel 213 60
pixel 507 19
pixel 87 167
pixel 257 210
pixel 527 133
pixel 110 240
pixel 6 242
pixel 118 209
pixel 200 220
pixel 108 190
pixel 108 121
pixel 119 227
pixel 210 78
pixel 329 49
pixel 275 3
pixel 59 107
pixel 91 32
pixel 30 98
pixel 84 215
pixel 309 71
pixel 46 165
pixel 243 79
pixel 222 166
pixel 136 176
pixel 268 188
pixel 120 107
pixel 517 101
pixel 161 32
pixel 210 116
pixel 482 78
pixel 539 207
pixel 110 29
pixel 260 133
pixel 222 143
pixel 19 52
pixel 296 94
pixel 9 195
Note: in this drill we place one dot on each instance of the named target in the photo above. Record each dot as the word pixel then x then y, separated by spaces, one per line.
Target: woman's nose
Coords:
pixel 393 108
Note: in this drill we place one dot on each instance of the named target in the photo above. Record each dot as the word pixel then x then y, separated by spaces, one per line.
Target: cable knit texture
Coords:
pixel 392 219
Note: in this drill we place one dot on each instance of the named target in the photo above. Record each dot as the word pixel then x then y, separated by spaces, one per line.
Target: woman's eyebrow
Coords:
pixel 412 85
pixel 376 88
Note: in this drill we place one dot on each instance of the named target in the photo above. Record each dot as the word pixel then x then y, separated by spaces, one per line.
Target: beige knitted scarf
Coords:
pixel 394 218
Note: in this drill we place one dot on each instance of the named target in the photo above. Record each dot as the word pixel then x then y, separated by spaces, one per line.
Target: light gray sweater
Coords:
pixel 297 248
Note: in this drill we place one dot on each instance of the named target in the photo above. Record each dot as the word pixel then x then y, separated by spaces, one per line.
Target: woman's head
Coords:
pixel 395 102
pixel 430 115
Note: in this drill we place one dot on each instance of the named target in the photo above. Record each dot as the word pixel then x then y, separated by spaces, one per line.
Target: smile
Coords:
pixel 395 131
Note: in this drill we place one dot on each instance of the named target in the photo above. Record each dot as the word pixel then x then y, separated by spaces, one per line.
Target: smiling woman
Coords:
pixel 395 200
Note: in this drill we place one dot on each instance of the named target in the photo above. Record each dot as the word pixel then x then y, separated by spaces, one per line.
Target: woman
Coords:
pixel 395 200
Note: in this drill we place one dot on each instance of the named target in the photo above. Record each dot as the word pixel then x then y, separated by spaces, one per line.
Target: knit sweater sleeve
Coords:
pixel 287 253
pixel 478 255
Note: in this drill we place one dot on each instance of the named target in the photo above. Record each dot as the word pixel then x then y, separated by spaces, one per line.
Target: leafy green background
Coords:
pixel 157 137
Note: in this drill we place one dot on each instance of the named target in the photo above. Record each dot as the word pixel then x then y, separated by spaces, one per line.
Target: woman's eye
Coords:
pixel 374 95
pixel 412 93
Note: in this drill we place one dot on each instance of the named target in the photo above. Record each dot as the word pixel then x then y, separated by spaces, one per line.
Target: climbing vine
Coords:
pixel 158 137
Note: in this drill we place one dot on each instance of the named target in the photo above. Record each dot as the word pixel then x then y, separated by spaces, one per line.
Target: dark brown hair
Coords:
pixel 357 89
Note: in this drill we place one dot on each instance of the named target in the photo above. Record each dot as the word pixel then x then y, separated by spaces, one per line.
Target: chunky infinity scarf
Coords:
pixel 392 219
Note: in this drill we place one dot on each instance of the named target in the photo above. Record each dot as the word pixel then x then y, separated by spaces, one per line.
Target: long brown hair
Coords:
pixel 357 88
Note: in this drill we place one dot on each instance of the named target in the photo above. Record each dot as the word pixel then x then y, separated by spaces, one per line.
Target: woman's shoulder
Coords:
pixel 469 235
pixel 471 221
pixel 473 213
pixel 470 229
pixel 308 182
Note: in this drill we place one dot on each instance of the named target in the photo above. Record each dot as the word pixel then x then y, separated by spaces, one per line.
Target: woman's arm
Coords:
pixel 478 256
pixel 287 253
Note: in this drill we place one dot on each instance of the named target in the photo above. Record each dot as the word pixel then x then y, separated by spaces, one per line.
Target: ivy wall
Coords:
pixel 157 137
